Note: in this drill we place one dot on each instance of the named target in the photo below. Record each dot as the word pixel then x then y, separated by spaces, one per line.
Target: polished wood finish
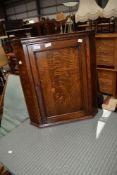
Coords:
pixel 106 55
pixel 107 81
pixel 58 75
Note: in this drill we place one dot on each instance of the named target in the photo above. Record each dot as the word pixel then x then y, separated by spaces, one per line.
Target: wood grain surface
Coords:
pixel 58 73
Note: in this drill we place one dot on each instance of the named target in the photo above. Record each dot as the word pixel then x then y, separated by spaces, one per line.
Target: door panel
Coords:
pixel 61 80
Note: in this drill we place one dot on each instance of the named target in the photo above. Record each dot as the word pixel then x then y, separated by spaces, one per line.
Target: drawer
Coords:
pixel 105 52
pixel 107 75
pixel 107 81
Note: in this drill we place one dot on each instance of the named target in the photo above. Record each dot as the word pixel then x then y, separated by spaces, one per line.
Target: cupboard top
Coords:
pixel 50 38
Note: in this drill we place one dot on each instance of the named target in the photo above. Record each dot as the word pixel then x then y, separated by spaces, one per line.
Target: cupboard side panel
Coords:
pixel 27 82
pixel 92 73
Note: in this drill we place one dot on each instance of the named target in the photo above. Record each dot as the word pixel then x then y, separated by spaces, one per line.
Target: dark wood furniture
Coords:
pixel 116 25
pixel 2 30
pixel 20 33
pixel 12 63
pixel 58 75
pixel 45 27
pixel 3 170
pixel 106 53
pixel 100 25
pixel 15 27
pixel 105 25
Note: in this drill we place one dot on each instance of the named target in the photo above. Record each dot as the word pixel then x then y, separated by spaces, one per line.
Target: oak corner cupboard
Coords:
pixel 58 76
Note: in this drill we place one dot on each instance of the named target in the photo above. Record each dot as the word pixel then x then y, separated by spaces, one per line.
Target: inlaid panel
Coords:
pixel 61 81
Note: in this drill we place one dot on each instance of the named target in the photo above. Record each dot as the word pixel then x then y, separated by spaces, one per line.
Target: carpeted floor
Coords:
pixel 14 109
pixel 81 148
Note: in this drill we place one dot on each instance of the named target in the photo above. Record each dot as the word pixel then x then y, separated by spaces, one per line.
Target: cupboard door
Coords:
pixel 60 77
